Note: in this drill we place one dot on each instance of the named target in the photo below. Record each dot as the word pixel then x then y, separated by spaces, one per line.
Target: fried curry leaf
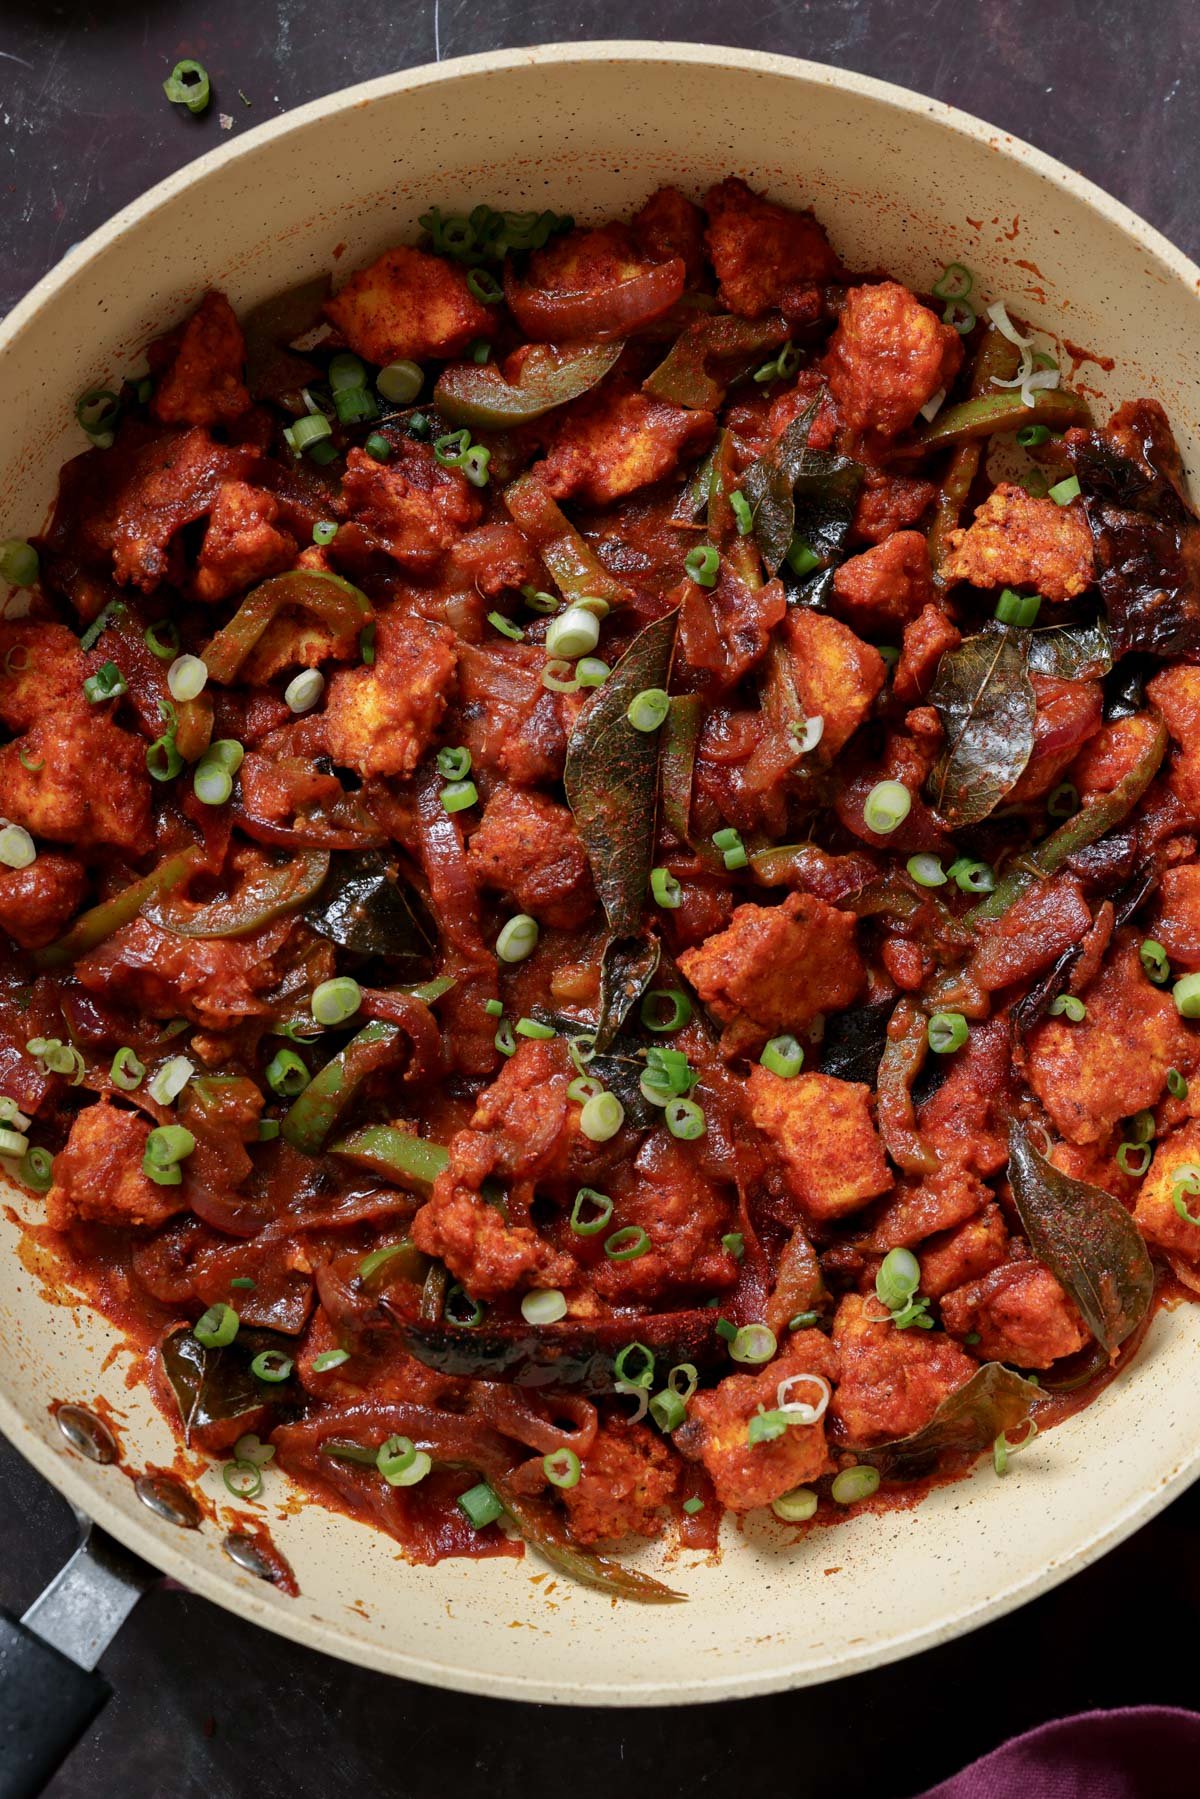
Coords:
pixel 969 1420
pixel 1145 535
pixel 1081 651
pixel 626 970
pixel 364 908
pixel 212 1386
pixel 611 779
pixel 575 1353
pixel 543 1530
pixel 1086 1238
pixel 799 492
pixel 854 1041
pixel 985 701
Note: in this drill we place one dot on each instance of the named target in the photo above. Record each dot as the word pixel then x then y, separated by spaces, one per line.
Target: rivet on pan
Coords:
pixel 86 1433
pixel 247 1554
pixel 167 1499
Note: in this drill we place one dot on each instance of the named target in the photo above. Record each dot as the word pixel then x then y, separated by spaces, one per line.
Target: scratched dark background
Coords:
pixel 207 1707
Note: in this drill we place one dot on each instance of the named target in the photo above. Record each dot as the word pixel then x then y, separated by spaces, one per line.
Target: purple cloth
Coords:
pixel 1139 1752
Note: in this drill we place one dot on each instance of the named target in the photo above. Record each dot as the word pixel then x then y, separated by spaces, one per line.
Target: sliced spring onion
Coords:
pixel 853 1484
pixel 946 1032
pixel 401 1463
pixel 1185 993
pixel 685 1120
pixel 333 1002
pixel 783 1056
pixel 329 1358
pixel 562 1467
pixel 506 627
pixel 972 877
pixel 17 848
pixel 545 1306
pixel 186 678
pixel 212 784
pixel 188 85
pixel 590 1212
pixel 272 1365
pixel 454 764
pixel 635 1365
pixel 665 1009
pixel 732 849
pixel 126 1071
pixel 1176 1084
pixel 304 690
pixel 887 805
pixel 518 938
pixel 169 1081
pixel 752 1344
pixel 286 1074
pixel 665 889
pixel 742 512
pixel 601 1117
pixel 703 565
pixel 795 1507
pixel 1067 1006
pixel 533 1027
pixel 572 634
pixel 108 683
pixel 458 796
pixel 1134 1159
pixel 926 870
pixel 693 1505
pixel 667 1410
pixel 166 1147
pixel 18 562
pixel 1154 961
pixel 627 1244
pixel 217 1327
pixel 1018 609
pixel 1063 492
pixel 480 1505
pixel 648 710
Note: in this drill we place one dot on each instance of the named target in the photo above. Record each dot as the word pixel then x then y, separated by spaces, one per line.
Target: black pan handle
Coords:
pixel 49 1689
pixel 46 1704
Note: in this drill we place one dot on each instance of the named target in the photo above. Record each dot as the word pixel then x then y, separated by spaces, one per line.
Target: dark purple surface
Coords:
pixel 208 1707
pixel 1147 1752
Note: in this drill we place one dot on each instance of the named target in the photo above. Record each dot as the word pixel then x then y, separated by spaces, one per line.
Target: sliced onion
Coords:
pixel 799 1409
pixel 933 406
pixel 997 312
pixel 641 1394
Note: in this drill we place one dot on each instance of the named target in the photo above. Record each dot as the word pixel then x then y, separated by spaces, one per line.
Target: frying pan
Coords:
pixel 903 183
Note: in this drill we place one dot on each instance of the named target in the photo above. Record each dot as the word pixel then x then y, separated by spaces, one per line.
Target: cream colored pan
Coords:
pixel 903 183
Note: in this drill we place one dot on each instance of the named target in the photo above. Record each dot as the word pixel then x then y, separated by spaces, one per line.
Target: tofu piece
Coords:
pixel 242 543
pixel 46 674
pixel 1176 693
pixel 616 439
pixel 408 306
pixel 838 675
pixel 885 587
pixel 527 846
pixel 888 357
pixel 889 503
pixel 98 1176
pixel 767 257
pixel 91 791
pixel 964 1254
pixel 1155 1214
pixel 926 641
pixel 202 384
pixel 919 1209
pixel 825 1137
pixel 685 1214
pixel 1021 1313
pixel 1114 1061
pixel 626 1478
pixel 892 1381
pixel 1177 921
pixel 381 719
pixel 669 225
pixel 1019 541
pixel 747 1475
pixel 779 966
pixel 36 902
pixel 411 508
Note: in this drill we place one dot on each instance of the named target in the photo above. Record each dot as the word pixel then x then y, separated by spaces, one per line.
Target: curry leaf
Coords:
pixel 1085 1237
pixel 1145 536
pixel 543 1530
pixel 580 1354
pixel 611 779
pixel 1081 651
pixel 626 970
pixel 799 492
pixel 364 908
pixel 985 700
pixel 967 1421
pixel 213 1386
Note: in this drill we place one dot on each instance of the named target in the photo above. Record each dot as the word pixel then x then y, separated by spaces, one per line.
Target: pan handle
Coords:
pixel 49 1690
pixel 46 1704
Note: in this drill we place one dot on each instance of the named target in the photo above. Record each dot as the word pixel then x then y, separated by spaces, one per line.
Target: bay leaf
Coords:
pixel 985 701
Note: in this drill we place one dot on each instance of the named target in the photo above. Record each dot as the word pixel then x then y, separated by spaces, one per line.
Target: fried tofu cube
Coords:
pixel 1111 754
pixel 526 845
pixel 411 507
pixel 408 306
pixel 242 543
pixel 98 1176
pixel 625 1480
pixel 919 1208
pixel 745 1474
pixel 825 1137
pixel 958 1256
pixel 888 357
pixel 380 719
pixel 1019 541
pixel 617 439
pixel 888 503
pixel 88 786
pixel 767 257
pixel 36 902
pixel 892 1381
pixel 1177 924
pixel 838 676
pixel 926 641
pixel 1021 1314
pixel 886 587
pixel 1114 1062
pixel 202 382
pixel 1155 1213
pixel 1176 693
pixel 46 672
pixel 779 966
pixel 669 225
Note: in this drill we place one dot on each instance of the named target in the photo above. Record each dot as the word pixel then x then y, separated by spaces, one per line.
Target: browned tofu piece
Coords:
pixel 411 507
pixel 201 382
pixel 886 587
pixel 1115 1060
pixel 626 1478
pixel 745 1474
pixel 98 1176
pixel 1155 1214
pixel 381 719
pixel 685 1215
pixel 918 1208
pixel 1176 693
pixel 1111 754
pixel 779 966
pixel 888 357
pixel 45 674
pixel 407 306
pixel 1020 541
pixel 961 1255
pixel 617 439
pixel 1021 1314
pixel 88 786
pixel 670 225
pixel 767 257
pixel 888 503
pixel 1047 919
pixel 892 1381
pixel 36 902
pixel 926 641
pixel 825 1137
pixel 242 543
pixel 838 675
pixel 527 846
pixel 1177 922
